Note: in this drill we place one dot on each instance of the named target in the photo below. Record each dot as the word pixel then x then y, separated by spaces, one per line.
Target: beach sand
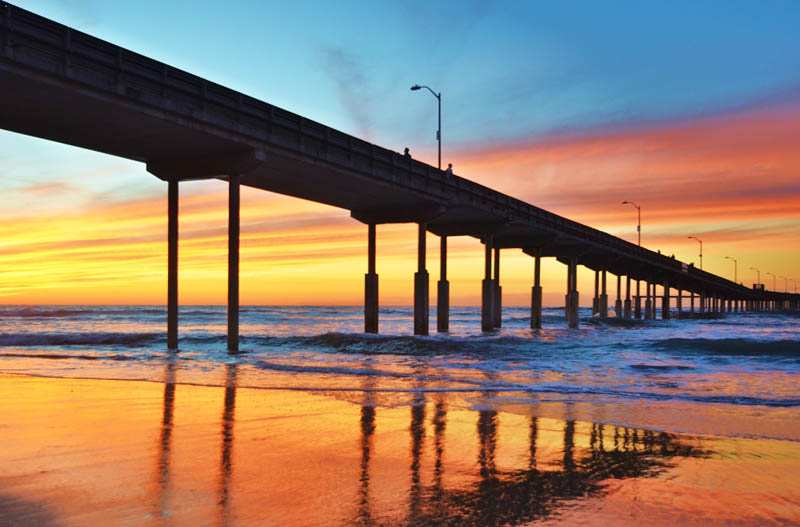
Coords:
pixel 121 452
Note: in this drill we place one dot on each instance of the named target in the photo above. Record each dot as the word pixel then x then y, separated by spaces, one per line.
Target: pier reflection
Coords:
pixel 226 457
pixel 164 449
pixel 554 463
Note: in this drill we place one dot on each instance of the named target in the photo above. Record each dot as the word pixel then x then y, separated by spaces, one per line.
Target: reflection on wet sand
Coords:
pixel 497 498
pixel 226 459
pixel 297 458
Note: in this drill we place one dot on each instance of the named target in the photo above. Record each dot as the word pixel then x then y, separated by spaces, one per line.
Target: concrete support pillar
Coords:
pixel 371 284
pixel 172 264
pixel 680 303
pixel 487 289
pixel 618 302
pixel 702 302
pixel 596 298
pixel 665 303
pixel 536 293
pixel 691 301
pixel 603 296
pixel 638 310
pixel 233 263
pixel 421 307
pixel 571 300
pixel 627 307
pixel 443 290
pixel 648 303
pixel 497 305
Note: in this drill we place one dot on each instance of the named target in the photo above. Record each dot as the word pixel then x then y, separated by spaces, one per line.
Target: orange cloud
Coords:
pixel 730 179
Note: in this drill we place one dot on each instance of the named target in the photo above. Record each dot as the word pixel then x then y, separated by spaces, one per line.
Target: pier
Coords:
pixel 66 86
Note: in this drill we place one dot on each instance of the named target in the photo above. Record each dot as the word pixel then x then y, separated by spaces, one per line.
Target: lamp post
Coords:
pixel 773 280
pixel 639 220
pixel 735 268
pixel 758 275
pixel 439 130
pixel 698 240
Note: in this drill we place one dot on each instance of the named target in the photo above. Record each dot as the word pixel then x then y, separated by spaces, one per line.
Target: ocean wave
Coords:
pixel 80 339
pixel 67 312
pixel 67 356
pixel 733 346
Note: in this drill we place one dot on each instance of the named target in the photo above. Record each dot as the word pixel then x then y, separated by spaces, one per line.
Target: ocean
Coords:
pixel 746 361
pixel 691 421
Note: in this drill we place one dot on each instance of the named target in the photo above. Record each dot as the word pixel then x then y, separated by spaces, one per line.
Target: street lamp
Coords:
pixel 735 270
pixel 701 248
pixel 758 275
pixel 639 221
pixel 773 280
pixel 439 130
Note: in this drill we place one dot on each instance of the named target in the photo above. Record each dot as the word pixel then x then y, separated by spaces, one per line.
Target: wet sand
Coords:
pixel 114 452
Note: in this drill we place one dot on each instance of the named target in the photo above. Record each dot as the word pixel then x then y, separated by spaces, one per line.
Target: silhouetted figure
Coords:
pixel 407 153
pixel 449 170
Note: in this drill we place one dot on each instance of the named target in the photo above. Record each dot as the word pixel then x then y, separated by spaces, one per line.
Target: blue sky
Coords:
pixel 692 108
pixel 508 70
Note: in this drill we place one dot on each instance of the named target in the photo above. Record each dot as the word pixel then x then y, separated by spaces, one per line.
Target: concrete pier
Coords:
pixel 233 263
pixel 421 295
pixel 638 309
pixel 487 289
pixel 627 308
pixel 536 292
pixel 371 284
pixel 618 302
pixel 172 264
pixel 497 304
pixel 443 290
pixel 571 300
pixel 603 296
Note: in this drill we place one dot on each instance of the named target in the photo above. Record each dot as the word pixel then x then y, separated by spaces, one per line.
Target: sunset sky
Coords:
pixel 690 109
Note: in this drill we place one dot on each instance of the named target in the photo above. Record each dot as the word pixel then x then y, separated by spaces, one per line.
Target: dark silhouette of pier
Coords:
pixel 66 86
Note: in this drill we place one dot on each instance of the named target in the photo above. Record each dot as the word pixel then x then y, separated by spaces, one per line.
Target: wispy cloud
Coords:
pixel 352 87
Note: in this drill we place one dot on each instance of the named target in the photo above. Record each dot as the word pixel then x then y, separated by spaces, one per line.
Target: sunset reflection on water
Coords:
pixel 87 452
